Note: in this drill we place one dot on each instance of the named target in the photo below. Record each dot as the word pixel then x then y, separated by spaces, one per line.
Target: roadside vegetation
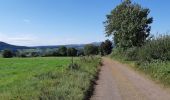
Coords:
pixel 153 58
pixel 47 78
pixel 129 24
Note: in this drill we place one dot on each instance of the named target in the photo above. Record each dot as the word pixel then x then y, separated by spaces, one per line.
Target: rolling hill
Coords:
pixel 4 45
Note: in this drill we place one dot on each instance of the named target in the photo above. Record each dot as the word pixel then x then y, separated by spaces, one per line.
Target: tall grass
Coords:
pixel 158 70
pixel 45 78
pixel 155 49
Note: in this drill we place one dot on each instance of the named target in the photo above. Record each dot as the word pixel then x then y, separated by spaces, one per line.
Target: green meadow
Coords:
pixel 48 78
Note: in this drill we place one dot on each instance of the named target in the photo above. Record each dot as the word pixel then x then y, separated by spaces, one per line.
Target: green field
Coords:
pixel 45 78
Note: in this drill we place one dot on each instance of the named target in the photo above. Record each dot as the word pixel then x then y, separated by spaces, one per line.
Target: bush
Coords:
pixel 117 52
pixel 7 54
pixel 156 49
pixel 131 53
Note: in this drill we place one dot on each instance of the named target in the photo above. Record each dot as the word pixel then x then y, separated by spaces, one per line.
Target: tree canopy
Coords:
pixel 71 52
pixel 106 47
pixel 90 49
pixel 129 24
pixel 62 51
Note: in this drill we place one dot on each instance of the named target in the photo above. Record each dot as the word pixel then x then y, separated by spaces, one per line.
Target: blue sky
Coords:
pixel 53 22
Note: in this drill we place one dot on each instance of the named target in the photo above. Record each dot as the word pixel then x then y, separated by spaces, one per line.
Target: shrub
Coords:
pixel 158 48
pixel 131 53
pixel 7 54
pixel 117 52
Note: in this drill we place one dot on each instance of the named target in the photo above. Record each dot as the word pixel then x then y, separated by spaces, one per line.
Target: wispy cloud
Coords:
pixel 33 40
pixel 30 39
pixel 18 39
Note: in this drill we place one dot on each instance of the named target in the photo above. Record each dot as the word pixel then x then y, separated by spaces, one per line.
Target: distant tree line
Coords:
pixel 104 48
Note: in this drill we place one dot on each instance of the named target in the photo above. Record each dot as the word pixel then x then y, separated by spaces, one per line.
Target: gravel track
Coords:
pixel 118 82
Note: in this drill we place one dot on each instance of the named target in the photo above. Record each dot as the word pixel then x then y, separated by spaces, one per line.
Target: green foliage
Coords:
pixel 153 58
pixel 129 23
pixel 62 51
pixel 155 49
pixel 80 52
pixel 131 53
pixel 74 66
pixel 71 52
pixel 105 47
pixel 45 78
pixel 90 49
pixel 158 48
pixel 7 54
pixel 158 70
pixel 55 52
pixel 117 53
pixel 28 53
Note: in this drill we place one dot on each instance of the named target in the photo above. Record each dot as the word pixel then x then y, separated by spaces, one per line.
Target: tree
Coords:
pixel 106 47
pixel 62 51
pixel 90 49
pixel 71 52
pixel 7 54
pixel 129 24
pixel 101 50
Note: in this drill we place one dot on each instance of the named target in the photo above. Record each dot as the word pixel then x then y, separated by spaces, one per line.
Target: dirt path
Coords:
pixel 118 82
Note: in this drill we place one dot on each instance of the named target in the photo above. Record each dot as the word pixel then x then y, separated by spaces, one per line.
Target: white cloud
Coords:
pixel 21 39
pixel 34 40
pixel 18 39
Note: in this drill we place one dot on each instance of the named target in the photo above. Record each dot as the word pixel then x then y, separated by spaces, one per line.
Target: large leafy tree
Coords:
pixel 129 24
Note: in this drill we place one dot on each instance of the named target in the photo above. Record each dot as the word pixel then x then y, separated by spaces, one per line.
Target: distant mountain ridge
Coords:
pixel 4 45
